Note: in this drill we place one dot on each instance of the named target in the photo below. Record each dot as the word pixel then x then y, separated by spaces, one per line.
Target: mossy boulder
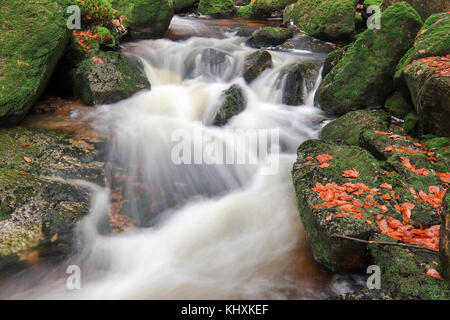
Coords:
pixel 431 40
pixel 403 272
pixel 269 37
pixel 33 35
pixel 425 8
pixel 233 103
pixel 347 129
pixel 182 5
pixel 398 106
pixel 333 59
pixel 145 18
pixel 364 76
pixel 326 20
pixel 108 78
pixel 259 9
pixel 430 93
pixel 297 80
pixel 255 64
pixel 217 8
pixel 444 240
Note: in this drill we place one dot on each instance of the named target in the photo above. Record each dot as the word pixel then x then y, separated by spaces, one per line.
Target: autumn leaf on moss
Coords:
pixel 434 274
pixel 323 158
pixel 353 173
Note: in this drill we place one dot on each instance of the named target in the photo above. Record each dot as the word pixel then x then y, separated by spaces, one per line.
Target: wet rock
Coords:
pixel 424 8
pixel 24 69
pixel 363 77
pixel 269 37
pixel 255 64
pixel 430 94
pixel 233 104
pixel 217 8
pixel 444 240
pixel 213 57
pixel 260 9
pixel 296 79
pixel 302 41
pixel 347 129
pixel 326 20
pixel 245 31
pixel 397 106
pixel 108 78
pixel 183 5
pixel 145 18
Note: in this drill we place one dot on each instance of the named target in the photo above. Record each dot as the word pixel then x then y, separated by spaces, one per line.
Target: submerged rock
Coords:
pixel 255 64
pixel 108 78
pixel 217 8
pixel 298 80
pixel 364 76
pixel 269 37
pixel 145 18
pixel 233 104
pixel 326 20
pixel 26 64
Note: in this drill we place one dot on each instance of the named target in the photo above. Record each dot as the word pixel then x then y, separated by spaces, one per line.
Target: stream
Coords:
pixel 195 231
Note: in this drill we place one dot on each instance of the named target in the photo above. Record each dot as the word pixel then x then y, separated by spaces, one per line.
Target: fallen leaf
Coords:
pixel 434 274
pixel 27 159
pixel 353 173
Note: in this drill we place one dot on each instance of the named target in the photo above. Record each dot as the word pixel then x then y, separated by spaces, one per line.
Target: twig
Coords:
pixel 384 243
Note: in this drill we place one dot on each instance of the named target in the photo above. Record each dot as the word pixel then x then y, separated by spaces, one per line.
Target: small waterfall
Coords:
pixel 198 231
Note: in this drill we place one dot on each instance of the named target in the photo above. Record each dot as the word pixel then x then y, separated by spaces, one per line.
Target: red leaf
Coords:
pixel 434 274
pixel 353 173
pixel 323 158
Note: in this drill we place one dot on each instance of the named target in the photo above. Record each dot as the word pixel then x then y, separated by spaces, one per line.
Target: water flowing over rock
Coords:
pixel 24 70
pixel 255 64
pixel 364 76
pixel 108 78
pixel 233 103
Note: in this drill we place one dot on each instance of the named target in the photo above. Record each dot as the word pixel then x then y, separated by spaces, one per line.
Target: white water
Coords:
pixel 238 235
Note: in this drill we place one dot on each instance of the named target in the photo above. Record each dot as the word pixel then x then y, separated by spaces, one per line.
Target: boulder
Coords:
pixel 26 66
pixel 259 9
pixel 145 18
pixel 431 40
pixel 233 103
pixel 430 93
pixel 108 78
pixel 297 81
pixel 397 106
pixel 217 8
pixel 255 64
pixel 347 128
pixel 333 59
pixel 326 20
pixel 269 37
pixel 444 241
pixel 364 76
pixel 425 8
pixel 182 5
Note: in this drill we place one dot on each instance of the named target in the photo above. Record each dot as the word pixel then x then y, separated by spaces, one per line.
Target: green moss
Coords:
pixel 26 66
pixel 363 77
pixel 259 9
pixel 234 103
pixel 95 12
pixel 269 36
pixel 217 8
pixel 410 124
pixel 397 106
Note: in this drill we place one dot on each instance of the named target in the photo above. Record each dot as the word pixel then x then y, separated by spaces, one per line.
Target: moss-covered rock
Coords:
pixel 425 8
pixel 108 78
pixel 260 9
pixel 233 104
pixel 255 64
pixel 181 5
pixel 326 20
pixel 33 35
pixel 333 59
pixel 430 93
pixel 397 106
pixel 403 272
pixel 217 8
pixel 269 37
pixel 363 77
pixel 444 237
pixel 145 18
pixel 431 40
pixel 347 129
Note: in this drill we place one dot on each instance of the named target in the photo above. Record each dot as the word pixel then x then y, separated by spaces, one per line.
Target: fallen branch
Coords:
pixel 384 243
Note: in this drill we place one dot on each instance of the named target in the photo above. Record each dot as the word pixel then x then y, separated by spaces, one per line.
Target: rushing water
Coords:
pixel 218 231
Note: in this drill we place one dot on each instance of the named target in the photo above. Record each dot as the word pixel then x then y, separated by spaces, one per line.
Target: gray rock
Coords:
pixel 255 64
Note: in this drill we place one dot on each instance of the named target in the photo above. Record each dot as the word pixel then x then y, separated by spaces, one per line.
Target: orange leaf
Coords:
pixel 434 274
pixel 324 165
pixel 27 159
pixel 386 197
pixel 323 158
pixel 353 173
pixel 386 186
pixel 328 219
